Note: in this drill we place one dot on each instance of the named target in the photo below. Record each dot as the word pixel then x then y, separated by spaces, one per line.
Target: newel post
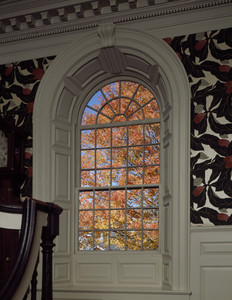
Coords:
pixel 48 235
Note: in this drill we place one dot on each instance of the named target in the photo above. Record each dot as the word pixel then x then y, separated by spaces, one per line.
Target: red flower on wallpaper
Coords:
pixel 26 91
pixel 228 160
pixel 200 44
pixel 228 87
pixel 198 118
pixel 38 73
pixel 223 143
pixel 224 68
pixel 168 40
pixel 30 107
pixel 222 217
pixel 8 71
pixel 29 171
pixel 27 155
pixel 198 190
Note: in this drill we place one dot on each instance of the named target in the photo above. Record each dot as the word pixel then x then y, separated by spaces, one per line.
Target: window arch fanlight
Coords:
pixel 117 52
pixel 119 169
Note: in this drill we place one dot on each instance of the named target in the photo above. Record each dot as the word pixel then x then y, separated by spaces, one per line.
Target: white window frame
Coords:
pixel 111 125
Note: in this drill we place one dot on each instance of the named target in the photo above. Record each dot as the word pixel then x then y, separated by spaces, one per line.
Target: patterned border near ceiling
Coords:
pixel 45 22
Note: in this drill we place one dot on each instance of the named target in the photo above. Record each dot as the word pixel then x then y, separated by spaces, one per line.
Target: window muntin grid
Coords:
pixel 119 172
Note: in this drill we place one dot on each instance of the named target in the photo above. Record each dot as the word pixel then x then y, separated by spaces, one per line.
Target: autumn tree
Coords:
pixel 119 176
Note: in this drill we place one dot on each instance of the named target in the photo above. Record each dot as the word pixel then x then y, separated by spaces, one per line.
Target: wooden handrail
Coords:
pixel 31 211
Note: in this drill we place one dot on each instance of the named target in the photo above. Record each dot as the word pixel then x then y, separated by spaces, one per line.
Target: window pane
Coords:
pixel 101 199
pixel 128 88
pixel 85 240
pixel 136 115
pixel 114 105
pixel 88 178
pixel 135 135
pixel 101 219
pixel 87 159
pixel 103 158
pixel 86 200
pixel 85 219
pixel 87 139
pixel 150 240
pixel 119 136
pixel 152 133
pixel 117 219
pixel 152 154
pixel 143 95
pixel 150 219
pixel 134 241
pixel 103 177
pixel 108 111
pixel 103 138
pixel 135 156
pixel 101 240
pixel 89 117
pixel 151 175
pixel 131 109
pixel 134 198
pixel 135 176
pixel 118 177
pixel 117 240
pixel 151 197
pixel 117 199
pixel 134 218
pixel 119 157
pixel 97 100
pixel 102 119
pixel 111 90
pixel 151 110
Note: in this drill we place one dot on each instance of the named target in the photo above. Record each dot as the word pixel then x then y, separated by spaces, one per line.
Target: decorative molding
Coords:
pixel 55 19
pixel 112 60
pixel 154 75
pixel 106 33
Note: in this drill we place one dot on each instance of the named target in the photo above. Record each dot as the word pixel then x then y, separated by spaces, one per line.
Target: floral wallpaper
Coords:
pixel 18 85
pixel 207 58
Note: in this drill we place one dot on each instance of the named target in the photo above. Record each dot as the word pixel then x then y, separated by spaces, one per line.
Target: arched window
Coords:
pixel 119 169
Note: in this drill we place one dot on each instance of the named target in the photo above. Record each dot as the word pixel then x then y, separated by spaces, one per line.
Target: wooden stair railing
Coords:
pixel 38 223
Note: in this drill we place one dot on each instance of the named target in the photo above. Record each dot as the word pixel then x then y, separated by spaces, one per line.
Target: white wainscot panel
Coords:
pixel 220 248
pixel 138 273
pixel 62 272
pixel 62 189
pixel 94 272
pixel 146 273
pixel 63 240
pixel 216 283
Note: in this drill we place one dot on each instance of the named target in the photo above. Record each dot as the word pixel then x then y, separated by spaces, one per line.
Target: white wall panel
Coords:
pixel 62 137
pixel 94 272
pixel 62 272
pixel 62 174
pixel 139 273
pixel 63 240
pixel 216 283
pixel 211 263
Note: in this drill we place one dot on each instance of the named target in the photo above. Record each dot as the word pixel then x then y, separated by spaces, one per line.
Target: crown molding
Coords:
pixel 38 19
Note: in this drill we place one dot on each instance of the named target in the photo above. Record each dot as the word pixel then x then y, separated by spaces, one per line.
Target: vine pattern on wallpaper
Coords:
pixel 18 85
pixel 207 58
